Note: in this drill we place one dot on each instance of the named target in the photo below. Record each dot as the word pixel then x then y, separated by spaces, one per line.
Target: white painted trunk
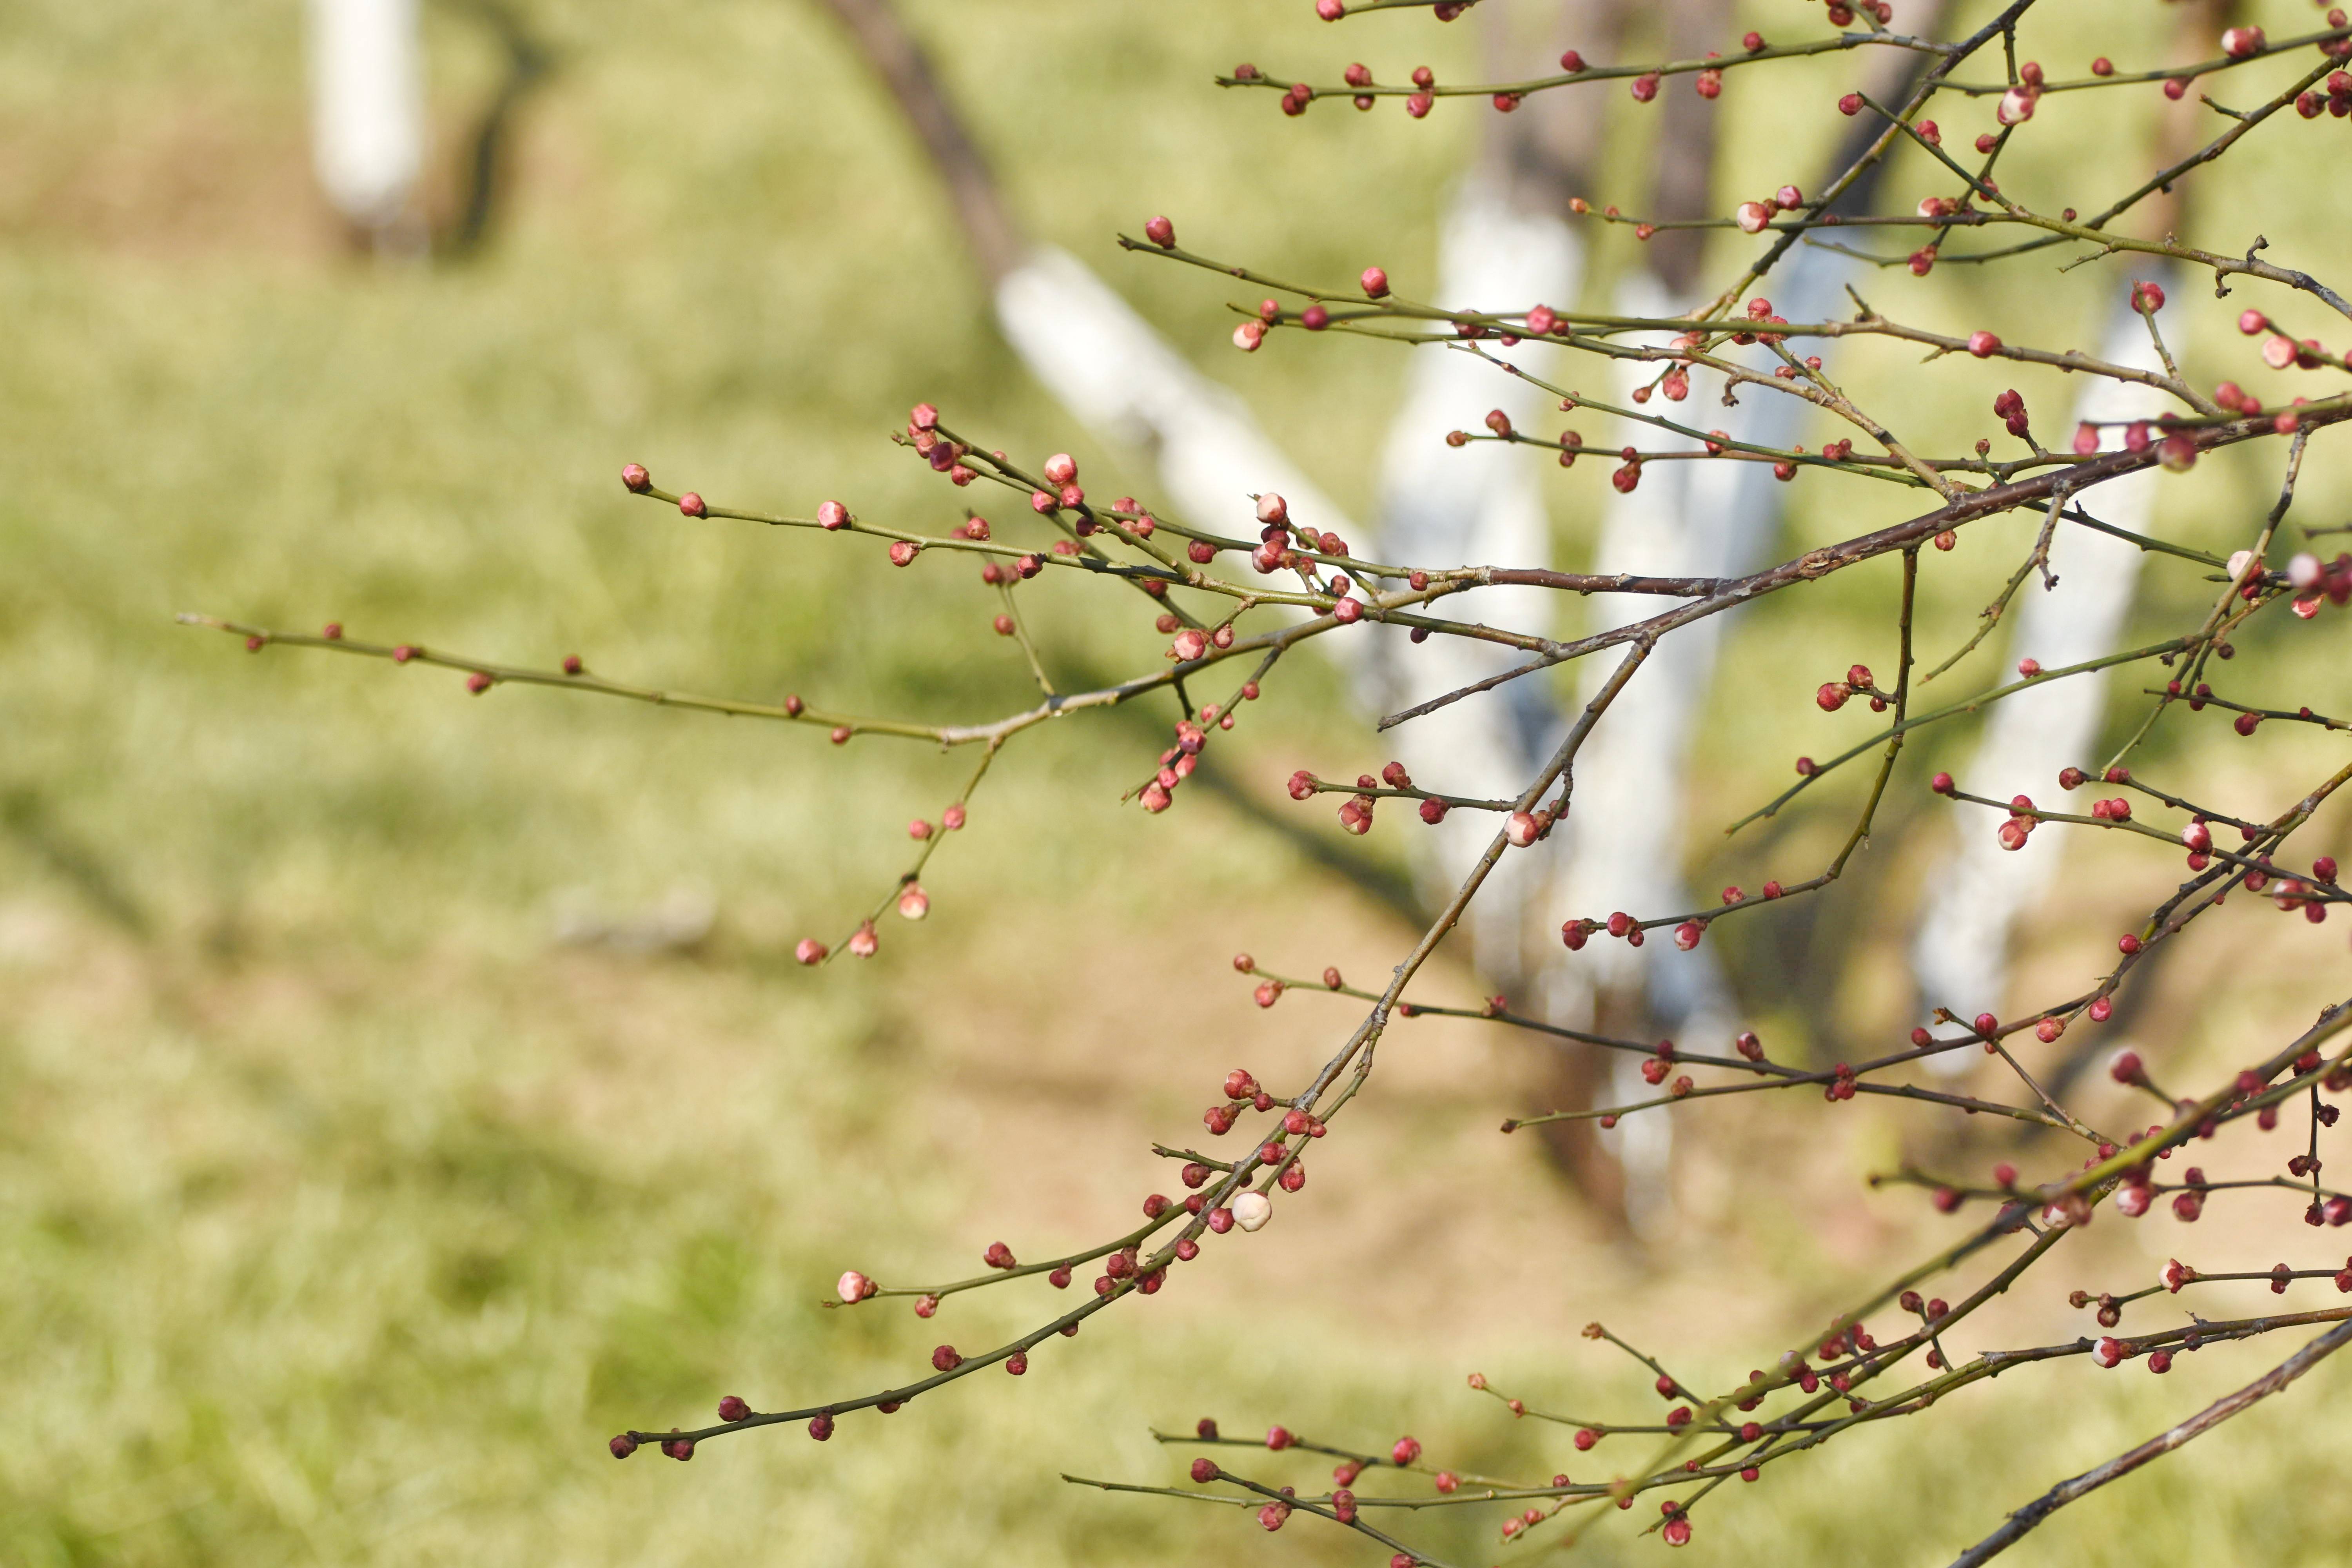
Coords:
pixel 1976 895
pixel 367 108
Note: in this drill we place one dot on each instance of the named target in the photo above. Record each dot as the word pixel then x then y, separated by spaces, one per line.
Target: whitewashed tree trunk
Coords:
pixel 1112 370
pixel 1959 958
pixel 1482 504
pixel 367 116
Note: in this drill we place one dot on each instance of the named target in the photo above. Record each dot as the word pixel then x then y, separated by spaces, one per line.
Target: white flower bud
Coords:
pixel 1252 1210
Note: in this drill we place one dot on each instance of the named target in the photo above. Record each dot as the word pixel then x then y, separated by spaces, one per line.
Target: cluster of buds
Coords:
pixel 1195 597
pixel 1753 217
pixel 1834 694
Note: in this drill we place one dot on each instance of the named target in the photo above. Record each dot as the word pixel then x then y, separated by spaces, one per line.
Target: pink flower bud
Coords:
pixel 1375 282
pixel 732 1409
pixel 1753 216
pixel 691 504
pixel 1983 345
pixel 1406 1451
pixel 1272 511
pixel 635 477
pixel 914 903
pixel 2237 43
pixel 1520 829
pixel 1159 232
pixel 863 942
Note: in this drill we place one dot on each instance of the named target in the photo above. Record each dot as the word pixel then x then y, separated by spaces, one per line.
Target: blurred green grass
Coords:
pixel 342 1214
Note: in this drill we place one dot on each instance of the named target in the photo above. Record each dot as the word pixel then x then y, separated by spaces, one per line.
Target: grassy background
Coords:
pixel 343 1212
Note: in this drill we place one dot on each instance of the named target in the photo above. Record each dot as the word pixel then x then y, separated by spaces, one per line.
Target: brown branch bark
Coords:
pixel 2156 1448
